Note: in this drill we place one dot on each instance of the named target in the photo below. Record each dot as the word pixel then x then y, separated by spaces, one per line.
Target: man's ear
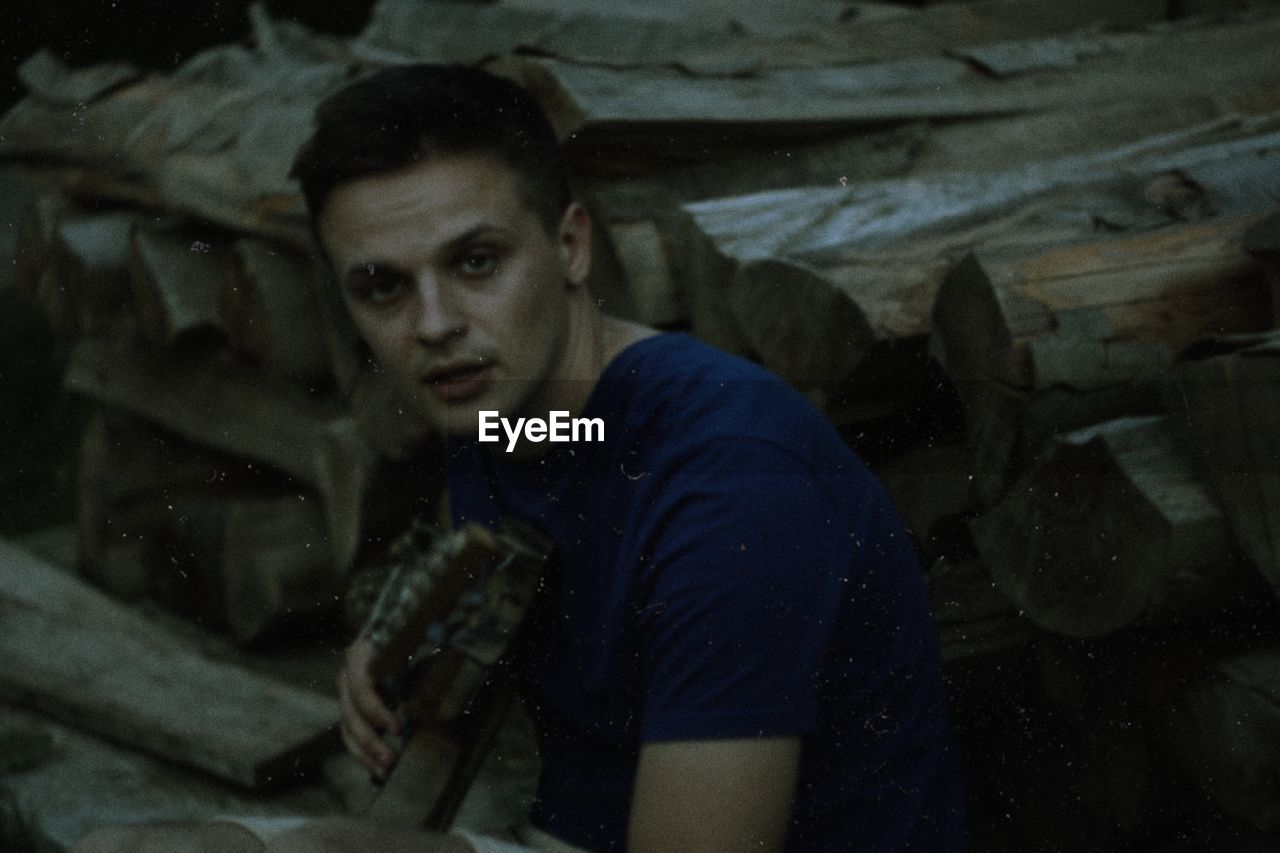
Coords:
pixel 575 243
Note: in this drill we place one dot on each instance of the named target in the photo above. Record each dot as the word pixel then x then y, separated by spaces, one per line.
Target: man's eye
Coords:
pixel 378 289
pixel 476 264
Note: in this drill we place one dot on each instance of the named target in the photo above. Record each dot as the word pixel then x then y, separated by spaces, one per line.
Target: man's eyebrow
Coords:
pixel 446 249
pixel 367 269
pixel 471 234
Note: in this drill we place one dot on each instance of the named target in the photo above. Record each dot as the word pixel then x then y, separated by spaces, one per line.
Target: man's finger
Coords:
pixel 364 695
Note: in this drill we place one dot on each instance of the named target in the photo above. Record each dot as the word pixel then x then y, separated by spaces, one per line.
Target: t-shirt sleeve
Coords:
pixel 748 567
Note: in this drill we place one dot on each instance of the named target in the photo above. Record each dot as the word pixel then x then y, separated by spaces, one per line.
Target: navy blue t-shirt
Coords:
pixel 727 569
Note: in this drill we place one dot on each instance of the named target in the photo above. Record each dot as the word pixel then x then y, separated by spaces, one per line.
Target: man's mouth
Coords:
pixel 458 381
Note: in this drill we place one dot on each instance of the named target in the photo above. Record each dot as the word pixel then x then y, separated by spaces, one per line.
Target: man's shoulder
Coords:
pixel 688 395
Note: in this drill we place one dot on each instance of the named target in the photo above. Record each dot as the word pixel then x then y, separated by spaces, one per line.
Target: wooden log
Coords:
pixel 272 309
pixel 129 476
pixel 213 401
pixel 927 485
pixel 1223 729
pixel 180 275
pixel 974 618
pixel 645 259
pixel 276 564
pixel 73 263
pixel 1110 527
pixel 214 139
pixel 33 275
pixel 1225 407
pixel 873 256
pixel 103 668
pixel 1041 341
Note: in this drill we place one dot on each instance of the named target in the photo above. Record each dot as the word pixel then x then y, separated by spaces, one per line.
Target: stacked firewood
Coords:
pixel 1023 254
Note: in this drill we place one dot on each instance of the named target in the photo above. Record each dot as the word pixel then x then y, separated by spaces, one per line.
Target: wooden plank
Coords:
pixel 1223 403
pixel 584 100
pixel 100 667
pixel 400 30
pixel 57 783
pixel 50 80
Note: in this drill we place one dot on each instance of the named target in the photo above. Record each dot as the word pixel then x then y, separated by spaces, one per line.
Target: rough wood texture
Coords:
pixel 179 277
pixel 1041 341
pixel 1224 399
pixel 276 564
pixel 973 616
pixel 873 255
pixel 214 401
pixel 1112 526
pixel 273 311
pixel 90 271
pixel 57 783
pixel 718 37
pixel 99 666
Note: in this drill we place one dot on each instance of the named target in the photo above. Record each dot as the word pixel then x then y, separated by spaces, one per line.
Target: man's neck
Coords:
pixel 595 340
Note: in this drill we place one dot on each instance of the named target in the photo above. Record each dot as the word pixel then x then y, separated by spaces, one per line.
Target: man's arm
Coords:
pixel 714 795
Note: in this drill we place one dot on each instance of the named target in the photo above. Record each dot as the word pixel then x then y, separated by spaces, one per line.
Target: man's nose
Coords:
pixel 441 315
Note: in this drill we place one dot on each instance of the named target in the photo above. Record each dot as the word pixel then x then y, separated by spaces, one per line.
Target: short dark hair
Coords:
pixel 401 115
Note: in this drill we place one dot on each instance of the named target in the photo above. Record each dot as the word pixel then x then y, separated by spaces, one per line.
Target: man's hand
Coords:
pixel 722 795
pixel 364 714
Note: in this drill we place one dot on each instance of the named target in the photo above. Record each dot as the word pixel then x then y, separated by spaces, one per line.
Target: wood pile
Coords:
pixel 1023 253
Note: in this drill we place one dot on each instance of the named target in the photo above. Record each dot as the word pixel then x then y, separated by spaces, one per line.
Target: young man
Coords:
pixel 737 652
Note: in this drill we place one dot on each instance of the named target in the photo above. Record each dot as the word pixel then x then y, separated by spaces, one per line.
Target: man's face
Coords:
pixel 456 285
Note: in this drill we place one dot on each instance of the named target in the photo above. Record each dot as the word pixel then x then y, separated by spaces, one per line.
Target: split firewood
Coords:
pixel 1223 729
pixel 272 310
pixel 928 485
pixel 129 475
pixel 100 667
pixel 873 256
pixel 276 564
pixel 1224 398
pixel 1041 341
pixel 215 138
pixel 212 400
pixel 644 257
pixel 180 276
pixel 973 616
pixel 1110 527
pixel 33 275
pixel 77 266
